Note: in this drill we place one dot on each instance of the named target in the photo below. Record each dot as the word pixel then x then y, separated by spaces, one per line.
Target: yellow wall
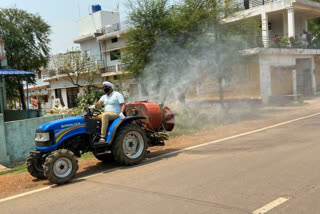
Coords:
pixel 243 82
pixel 281 82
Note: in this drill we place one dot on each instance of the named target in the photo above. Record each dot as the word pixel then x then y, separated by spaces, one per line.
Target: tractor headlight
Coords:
pixel 43 136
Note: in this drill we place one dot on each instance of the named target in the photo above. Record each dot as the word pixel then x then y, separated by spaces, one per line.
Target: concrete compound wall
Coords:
pixel 17 138
pixel 11 115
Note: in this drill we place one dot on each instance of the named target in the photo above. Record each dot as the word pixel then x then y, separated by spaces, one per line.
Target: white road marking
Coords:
pixel 271 205
pixel 24 194
pixel 235 136
pixel 170 153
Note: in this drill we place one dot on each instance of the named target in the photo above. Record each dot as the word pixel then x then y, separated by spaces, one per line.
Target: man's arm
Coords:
pixel 97 104
pixel 123 106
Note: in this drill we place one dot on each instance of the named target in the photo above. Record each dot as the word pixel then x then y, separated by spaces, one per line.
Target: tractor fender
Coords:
pixel 112 131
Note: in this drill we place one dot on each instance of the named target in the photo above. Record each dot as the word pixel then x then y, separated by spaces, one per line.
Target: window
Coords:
pixel 58 93
pixel 114 40
pixel 114 55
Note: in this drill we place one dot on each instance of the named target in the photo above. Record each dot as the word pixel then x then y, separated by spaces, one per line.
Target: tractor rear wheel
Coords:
pixel 60 166
pixel 34 165
pixel 130 146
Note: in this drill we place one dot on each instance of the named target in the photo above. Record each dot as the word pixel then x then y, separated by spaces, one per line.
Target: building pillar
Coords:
pixel 291 23
pixel 265 30
pixel 4 157
pixel 284 24
pixel 117 68
pixel 265 80
pixel 313 77
pixel 305 23
pixel 294 84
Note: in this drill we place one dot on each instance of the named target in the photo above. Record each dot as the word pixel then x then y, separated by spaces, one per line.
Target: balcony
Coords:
pixel 114 69
pixel 247 4
pixel 114 28
pixel 283 42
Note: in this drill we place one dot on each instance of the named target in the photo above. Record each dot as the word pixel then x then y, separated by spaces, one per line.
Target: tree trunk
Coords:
pixel 21 93
pixel 221 93
pixel 39 102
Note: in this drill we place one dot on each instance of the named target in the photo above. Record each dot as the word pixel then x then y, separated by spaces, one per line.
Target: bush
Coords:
pixel 90 96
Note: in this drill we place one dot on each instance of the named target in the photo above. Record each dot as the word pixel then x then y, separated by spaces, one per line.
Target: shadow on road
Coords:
pixel 112 166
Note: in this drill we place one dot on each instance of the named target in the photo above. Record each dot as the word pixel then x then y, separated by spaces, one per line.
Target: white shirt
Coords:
pixel 112 102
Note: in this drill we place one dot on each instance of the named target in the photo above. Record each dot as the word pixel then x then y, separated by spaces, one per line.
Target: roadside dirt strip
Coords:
pixel 263 209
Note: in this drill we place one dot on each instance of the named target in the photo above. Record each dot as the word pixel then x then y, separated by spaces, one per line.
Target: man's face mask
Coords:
pixel 106 89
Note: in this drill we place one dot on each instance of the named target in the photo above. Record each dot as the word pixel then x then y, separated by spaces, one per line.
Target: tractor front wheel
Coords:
pixel 130 146
pixel 60 166
pixel 34 165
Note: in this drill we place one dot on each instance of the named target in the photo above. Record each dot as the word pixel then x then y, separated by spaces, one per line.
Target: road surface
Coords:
pixel 275 169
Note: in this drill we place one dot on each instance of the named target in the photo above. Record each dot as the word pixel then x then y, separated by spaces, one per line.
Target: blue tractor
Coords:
pixel 59 143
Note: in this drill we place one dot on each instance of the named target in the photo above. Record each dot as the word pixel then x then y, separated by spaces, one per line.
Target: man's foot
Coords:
pixel 101 141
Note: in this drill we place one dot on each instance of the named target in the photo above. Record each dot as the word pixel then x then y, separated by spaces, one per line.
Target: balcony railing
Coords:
pixel 114 68
pixel 247 4
pixel 114 27
pixel 283 42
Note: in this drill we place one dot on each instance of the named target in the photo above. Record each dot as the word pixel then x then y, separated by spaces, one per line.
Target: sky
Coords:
pixel 62 16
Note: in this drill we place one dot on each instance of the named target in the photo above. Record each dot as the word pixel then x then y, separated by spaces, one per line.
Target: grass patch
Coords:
pixel 15 170
pixel 86 156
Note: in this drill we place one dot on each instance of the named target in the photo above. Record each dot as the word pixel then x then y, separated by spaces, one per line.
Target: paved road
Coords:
pixel 235 176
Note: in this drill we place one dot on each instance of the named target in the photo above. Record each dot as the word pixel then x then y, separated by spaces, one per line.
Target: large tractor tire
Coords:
pixel 34 166
pixel 130 145
pixel 105 158
pixel 60 166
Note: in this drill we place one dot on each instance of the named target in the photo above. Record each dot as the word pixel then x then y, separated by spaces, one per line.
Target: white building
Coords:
pixel 102 36
pixel 92 26
pixel 285 67
pixel 63 93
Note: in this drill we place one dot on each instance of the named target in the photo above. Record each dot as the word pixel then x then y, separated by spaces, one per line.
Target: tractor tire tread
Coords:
pixel 117 150
pixel 31 168
pixel 50 160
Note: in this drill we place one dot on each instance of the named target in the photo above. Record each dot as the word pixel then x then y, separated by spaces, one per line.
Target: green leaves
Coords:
pixel 90 96
pixel 170 46
pixel 27 44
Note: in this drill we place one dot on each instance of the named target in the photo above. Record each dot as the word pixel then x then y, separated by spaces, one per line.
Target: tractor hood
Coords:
pixel 62 124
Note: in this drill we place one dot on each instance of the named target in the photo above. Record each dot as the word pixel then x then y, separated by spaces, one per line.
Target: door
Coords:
pixel 304 77
pixel 72 94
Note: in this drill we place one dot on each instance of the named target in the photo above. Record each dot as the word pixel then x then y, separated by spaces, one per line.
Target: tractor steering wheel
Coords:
pixel 93 112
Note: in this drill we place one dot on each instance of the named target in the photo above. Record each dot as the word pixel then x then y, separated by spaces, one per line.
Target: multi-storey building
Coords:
pixel 284 60
pixel 102 36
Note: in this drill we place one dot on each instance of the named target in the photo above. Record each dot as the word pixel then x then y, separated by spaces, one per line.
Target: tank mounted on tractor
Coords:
pixel 59 143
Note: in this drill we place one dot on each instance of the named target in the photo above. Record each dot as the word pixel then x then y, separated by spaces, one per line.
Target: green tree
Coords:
pixel 183 40
pixel 149 18
pixel 314 27
pixel 27 45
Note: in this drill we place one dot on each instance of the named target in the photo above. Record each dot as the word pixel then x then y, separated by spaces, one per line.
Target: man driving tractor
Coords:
pixel 114 106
